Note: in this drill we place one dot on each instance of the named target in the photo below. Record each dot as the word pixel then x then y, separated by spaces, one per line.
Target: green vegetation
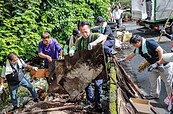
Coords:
pixel 112 93
pixel 23 21
pixel 124 3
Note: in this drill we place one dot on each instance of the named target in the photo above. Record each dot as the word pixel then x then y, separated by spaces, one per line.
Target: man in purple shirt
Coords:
pixel 49 49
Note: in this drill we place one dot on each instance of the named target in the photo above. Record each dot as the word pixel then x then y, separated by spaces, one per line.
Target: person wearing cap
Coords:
pixel 109 42
pixel 69 47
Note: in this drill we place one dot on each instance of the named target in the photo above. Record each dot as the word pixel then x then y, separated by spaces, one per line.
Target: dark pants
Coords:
pixel 94 96
pixel 108 48
pixel 149 9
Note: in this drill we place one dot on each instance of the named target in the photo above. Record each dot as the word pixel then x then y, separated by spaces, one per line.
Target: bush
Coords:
pixel 22 22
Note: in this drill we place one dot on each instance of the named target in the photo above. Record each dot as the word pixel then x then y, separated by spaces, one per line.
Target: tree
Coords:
pixel 23 21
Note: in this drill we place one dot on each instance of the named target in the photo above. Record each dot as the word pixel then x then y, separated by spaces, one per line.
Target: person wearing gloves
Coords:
pixel 70 48
pixel 170 36
pixel 87 42
pixel 14 74
pixel 153 53
pixel 109 42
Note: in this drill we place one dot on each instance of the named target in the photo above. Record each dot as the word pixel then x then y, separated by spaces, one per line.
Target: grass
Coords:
pixel 113 93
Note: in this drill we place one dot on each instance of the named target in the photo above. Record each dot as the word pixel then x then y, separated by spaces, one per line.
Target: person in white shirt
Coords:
pixel 117 16
pixel 14 74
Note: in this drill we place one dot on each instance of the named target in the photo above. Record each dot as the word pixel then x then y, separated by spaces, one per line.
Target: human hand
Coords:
pixel 35 68
pixel 1 89
pixel 49 58
pixel 153 66
pixel 161 68
pixel 163 31
pixel 120 59
pixel 60 57
pixel 91 45
pixel 71 53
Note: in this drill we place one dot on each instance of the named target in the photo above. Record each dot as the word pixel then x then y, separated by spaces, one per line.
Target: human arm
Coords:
pixel 169 36
pixel 40 52
pixel 160 54
pixel 163 32
pixel 59 49
pixel 129 56
pixel 100 38
pixel 159 63
pixel 1 84
pixel 106 36
pixel 27 66
pixel 42 55
pixel 2 79
pixel 107 33
pixel 60 54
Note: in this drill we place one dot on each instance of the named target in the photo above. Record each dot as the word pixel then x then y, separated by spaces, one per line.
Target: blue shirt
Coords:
pixel 152 55
pixel 52 50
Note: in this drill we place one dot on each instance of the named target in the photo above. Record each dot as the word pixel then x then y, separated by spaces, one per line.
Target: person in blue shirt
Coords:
pixel 109 42
pixel 49 49
pixel 153 53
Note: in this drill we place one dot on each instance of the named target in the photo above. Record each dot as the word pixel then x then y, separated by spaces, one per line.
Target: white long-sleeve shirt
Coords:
pixel 117 14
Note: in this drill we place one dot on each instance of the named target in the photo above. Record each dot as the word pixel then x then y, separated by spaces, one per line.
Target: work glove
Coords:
pixel 71 53
pixel 60 57
pixel 120 59
pixel 1 89
pixel 153 66
pixel 161 68
pixel 91 45
pixel 35 68
pixel 162 31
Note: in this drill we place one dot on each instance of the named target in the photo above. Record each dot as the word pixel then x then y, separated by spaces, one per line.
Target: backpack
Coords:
pixel 16 76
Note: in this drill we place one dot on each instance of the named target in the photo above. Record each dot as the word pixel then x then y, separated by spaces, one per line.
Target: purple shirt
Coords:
pixel 52 50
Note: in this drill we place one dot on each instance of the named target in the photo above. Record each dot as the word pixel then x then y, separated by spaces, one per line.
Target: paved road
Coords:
pixel 142 79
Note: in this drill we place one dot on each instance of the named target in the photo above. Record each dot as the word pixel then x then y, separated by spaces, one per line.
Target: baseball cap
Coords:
pixel 99 19
pixel 76 32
